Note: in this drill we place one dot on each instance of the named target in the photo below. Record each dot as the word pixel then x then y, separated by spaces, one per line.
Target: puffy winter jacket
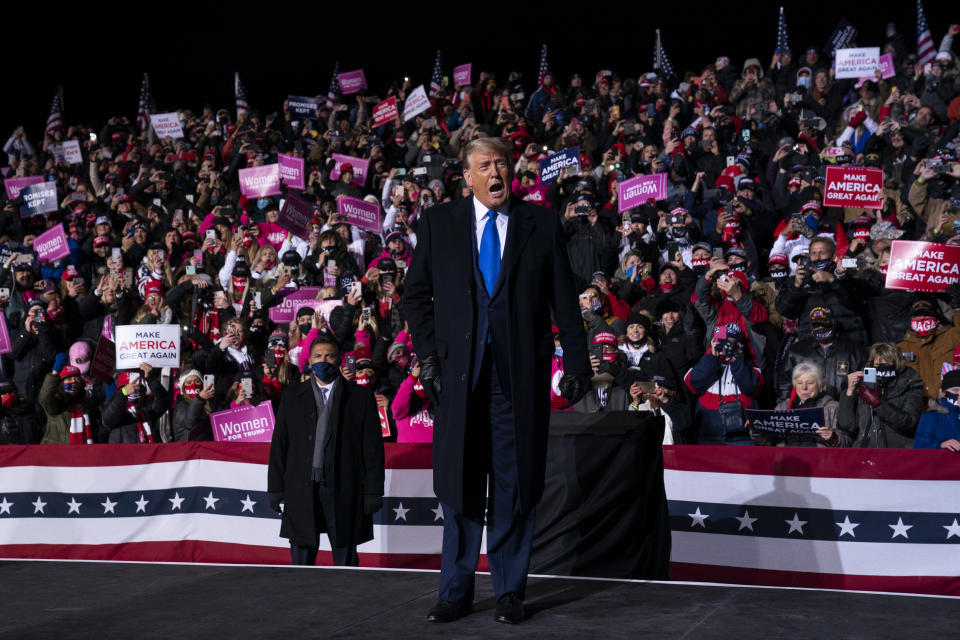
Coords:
pixel 717 383
pixel 938 425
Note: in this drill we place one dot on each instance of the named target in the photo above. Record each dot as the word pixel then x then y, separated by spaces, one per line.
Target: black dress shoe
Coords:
pixel 509 609
pixel 448 611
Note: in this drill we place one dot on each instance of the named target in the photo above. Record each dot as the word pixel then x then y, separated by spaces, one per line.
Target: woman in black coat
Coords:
pixel 885 414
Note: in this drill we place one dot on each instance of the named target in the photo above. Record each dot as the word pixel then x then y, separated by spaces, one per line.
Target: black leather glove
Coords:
pixel 574 387
pixel 275 500
pixel 430 378
pixel 371 503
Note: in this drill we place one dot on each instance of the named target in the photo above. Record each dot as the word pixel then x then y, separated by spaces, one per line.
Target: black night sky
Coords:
pixel 191 54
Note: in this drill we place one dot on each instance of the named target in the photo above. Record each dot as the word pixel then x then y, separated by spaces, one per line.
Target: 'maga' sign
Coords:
pixel 859 187
pixel 930 267
pixel 792 422
pixel 156 344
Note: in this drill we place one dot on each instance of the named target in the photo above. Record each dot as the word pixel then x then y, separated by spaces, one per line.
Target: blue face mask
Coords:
pixel 803 81
pixel 558 352
pixel 71 388
pixel 324 371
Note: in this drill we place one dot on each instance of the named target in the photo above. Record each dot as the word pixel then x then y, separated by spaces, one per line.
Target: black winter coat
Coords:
pixel 353 464
pixel 123 424
pixel 441 307
pixel 191 420
pixel 840 297
pixel 891 425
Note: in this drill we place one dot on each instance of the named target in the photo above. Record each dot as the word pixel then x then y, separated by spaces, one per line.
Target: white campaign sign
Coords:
pixel 71 152
pixel 166 125
pixel 861 62
pixel 156 344
pixel 417 102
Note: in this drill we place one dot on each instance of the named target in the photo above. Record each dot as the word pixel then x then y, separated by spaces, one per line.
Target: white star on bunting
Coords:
pixel 847 527
pixel 38 505
pixel 108 506
pixel 211 502
pixel 248 504
pixel 952 529
pixel 746 522
pixel 175 502
pixel 141 504
pixel 900 529
pixel 796 524
pixel 698 519
pixel 401 513
pixel 437 513
pixel 74 506
pixel 5 506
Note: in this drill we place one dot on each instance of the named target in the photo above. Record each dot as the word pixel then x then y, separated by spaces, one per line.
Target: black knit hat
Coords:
pixel 667 306
pixel 950 379
pixel 639 318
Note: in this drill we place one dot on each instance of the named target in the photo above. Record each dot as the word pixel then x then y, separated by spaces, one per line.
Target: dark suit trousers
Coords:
pixel 490 451
pixel 323 508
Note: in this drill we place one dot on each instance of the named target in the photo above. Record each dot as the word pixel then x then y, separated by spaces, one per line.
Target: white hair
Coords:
pixel 808 368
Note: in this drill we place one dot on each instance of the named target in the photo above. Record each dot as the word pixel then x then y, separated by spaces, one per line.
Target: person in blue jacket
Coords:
pixel 940 428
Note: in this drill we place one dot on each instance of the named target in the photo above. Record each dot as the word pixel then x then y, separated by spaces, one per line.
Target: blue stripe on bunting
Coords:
pixel 233 502
pixel 799 523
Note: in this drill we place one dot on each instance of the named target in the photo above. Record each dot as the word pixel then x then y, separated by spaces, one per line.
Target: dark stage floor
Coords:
pixel 121 600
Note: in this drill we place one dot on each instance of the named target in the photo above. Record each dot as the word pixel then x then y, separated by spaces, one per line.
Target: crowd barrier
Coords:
pixel 882 520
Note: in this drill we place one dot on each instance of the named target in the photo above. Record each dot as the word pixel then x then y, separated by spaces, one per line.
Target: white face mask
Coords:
pixel 803 81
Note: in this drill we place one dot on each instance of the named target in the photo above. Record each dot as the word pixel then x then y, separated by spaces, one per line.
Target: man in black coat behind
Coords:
pixel 479 294
pixel 326 461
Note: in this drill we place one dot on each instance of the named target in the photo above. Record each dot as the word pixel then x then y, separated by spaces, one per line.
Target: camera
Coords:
pixel 940 168
pixel 795 98
pixel 675 219
pixel 582 209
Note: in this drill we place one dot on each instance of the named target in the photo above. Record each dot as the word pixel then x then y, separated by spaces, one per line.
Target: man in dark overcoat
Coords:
pixel 326 461
pixel 486 277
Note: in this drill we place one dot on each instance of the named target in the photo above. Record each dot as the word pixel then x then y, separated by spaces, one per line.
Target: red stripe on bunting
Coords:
pixel 938 585
pixel 203 551
pixel 874 464
pixel 398 456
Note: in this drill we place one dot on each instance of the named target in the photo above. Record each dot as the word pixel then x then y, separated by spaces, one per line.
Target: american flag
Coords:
pixel 145 104
pixel 242 105
pixel 926 52
pixel 55 119
pixel 544 68
pixel 661 62
pixel 334 89
pixel 783 40
pixel 437 77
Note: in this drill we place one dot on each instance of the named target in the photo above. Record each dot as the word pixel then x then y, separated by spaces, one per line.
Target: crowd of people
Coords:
pixel 739 290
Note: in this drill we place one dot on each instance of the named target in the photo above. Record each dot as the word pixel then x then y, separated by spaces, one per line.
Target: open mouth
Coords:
pixel 496 189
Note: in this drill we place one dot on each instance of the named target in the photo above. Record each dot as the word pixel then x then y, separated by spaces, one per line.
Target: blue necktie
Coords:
pixel 488 258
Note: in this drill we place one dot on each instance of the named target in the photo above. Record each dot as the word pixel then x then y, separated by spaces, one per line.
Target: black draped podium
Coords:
pixel 604 509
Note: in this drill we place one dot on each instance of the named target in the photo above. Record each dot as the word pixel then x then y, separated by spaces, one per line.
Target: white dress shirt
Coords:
pixel 326 388
pixel 480 211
